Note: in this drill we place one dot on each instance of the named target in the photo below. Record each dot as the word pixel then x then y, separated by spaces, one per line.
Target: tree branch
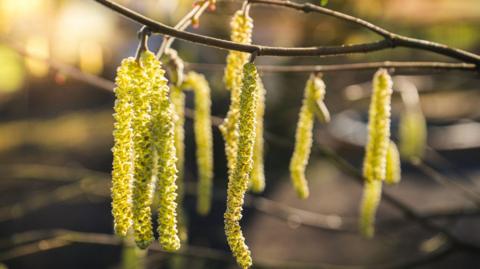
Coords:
pixel 392 41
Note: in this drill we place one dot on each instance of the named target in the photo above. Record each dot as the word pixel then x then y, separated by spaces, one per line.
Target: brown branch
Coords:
pixel 392 41
pixel 394 67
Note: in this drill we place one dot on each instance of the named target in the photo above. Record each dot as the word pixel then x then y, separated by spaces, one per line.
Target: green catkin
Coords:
pixel 412 133
pixel 314 92
pixel 164 152
pixel 122 173
pixel 374 165
pixel 393 169
pixel 203 139
pixel 238 182
pixel 144 158
pixel 257 183
pixel 241 27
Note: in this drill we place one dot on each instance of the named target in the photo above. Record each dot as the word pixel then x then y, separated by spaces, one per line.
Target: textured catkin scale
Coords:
pixel 257 182
pixel 241 32
pixel 238 182
pixel 164 158
pixel 122 173
pixel 374 164
pixel 314 93
pixel 393 169
pixel 412 133
pixel 203 139
pixel 372 193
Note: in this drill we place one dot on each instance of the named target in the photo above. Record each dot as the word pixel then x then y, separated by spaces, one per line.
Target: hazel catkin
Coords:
pixel 164 153
pixel 241 32
pixel 122 173
pixel 238 182
pixel 257 182
pixel 374 164
pixel 313 95
pixel 203 139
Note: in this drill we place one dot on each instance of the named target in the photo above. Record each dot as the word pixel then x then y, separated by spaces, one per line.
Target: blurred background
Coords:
pixel 57 61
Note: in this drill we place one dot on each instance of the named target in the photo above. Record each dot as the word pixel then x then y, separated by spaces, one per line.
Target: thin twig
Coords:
pixel 394 67
pixel 394 40
pixel 186 21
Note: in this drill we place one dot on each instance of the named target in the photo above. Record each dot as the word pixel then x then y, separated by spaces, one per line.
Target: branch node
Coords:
pixel 143 35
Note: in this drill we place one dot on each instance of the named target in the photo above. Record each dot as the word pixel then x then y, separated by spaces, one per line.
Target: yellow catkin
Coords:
pixel 257 183
pixel 374 164
pixel 393 169
pixel 412 133
pixel 143 162
pixel 378 127
pixel 372 192
pixel 238 182
pixel 163 152
pixel 314 92
pixel 241 27
pixel 203 139
pixel 122 173
pixel 177 96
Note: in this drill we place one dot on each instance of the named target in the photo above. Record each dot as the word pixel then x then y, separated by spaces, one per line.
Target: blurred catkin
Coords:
pixel 374 164
pixel 393 169
pixel 122 173
pixel 203 139
pixel 313 95
pixel 238 182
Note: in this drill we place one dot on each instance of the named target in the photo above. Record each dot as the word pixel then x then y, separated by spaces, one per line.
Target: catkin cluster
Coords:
pixel 203 139
pixel 144 153
pixel 241 32
pixel 238 182
pixel 375 161
pixel 312 105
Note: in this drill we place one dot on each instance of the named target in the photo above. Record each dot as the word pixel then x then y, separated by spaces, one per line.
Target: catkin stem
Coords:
pixel 238 182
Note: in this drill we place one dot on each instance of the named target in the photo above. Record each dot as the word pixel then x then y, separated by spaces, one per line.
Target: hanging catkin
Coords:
pixel 144 166
pixel 203 139
pixel 238 182
pixel 313 95
pixel 122 174
pixel 177 96
pixel 164 155
pixel 393 169
pixel 374 164
pixel 241 27
pixel 257 182
pixel 412 133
